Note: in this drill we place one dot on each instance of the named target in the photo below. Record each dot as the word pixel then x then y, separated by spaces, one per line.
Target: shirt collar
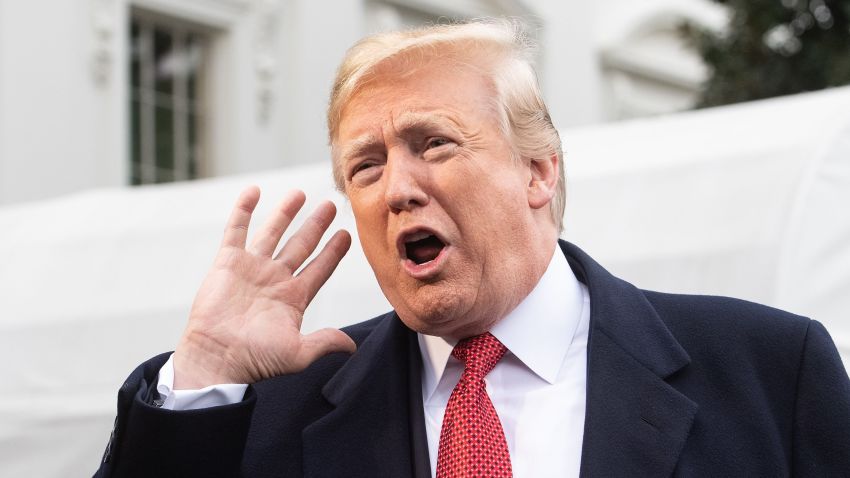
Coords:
pixel 538 331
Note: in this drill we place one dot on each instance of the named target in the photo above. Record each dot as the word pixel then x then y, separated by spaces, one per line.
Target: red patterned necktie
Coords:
pixel 472 442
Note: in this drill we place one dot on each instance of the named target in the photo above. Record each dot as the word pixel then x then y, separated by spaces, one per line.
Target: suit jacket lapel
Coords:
pixel 418 435
pixel 636 424
pixel 368 433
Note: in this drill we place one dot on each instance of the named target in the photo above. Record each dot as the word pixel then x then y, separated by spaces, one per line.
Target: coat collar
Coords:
pixel 377 422
pixel 636 424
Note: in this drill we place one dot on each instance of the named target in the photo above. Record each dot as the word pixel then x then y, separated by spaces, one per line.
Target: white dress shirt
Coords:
pixel 212 396
pixel 537 389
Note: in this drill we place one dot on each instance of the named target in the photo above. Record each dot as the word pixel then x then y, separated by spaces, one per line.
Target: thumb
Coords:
pixel 322 342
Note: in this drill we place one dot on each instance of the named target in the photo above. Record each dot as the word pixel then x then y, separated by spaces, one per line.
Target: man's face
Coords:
pixel 441 207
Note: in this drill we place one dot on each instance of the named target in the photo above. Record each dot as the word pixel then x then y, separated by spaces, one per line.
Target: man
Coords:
pixel 507 353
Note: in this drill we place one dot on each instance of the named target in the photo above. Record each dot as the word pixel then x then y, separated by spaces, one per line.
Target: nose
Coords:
pixel 404 176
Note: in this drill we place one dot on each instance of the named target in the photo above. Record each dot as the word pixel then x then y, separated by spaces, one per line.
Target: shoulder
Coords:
pixel 734 334
pixel 361 330
pixel 725 315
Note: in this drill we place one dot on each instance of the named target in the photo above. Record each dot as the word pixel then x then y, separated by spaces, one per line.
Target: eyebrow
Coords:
pixel 406 125
pixel 359 146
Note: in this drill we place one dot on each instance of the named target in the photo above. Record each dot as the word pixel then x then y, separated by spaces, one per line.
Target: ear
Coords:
pixel 544 181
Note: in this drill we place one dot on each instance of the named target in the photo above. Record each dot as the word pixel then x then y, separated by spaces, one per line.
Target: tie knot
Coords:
pixel 479 354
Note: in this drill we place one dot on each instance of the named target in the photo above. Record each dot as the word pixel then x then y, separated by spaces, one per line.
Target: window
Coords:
pixel 166 108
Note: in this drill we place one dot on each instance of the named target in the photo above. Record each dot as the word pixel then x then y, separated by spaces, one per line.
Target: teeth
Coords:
pixel 417 236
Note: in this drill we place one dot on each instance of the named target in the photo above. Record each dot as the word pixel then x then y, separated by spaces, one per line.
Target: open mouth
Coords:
pixel 422 246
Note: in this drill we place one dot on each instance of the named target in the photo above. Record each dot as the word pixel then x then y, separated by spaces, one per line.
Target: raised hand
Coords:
pixel 245 322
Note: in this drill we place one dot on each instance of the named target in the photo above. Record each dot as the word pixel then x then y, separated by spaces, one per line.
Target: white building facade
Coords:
pixel 108 93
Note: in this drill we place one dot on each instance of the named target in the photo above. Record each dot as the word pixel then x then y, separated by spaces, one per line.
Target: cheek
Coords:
pixel 494 204
pixel 368 231
pixel 367 213
pixel 372 232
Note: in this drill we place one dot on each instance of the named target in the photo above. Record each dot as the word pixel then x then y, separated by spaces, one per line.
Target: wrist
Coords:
pixel 197 366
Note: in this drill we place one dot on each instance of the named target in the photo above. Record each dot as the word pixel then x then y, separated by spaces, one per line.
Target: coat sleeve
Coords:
pixel 147 441
pixel 821 437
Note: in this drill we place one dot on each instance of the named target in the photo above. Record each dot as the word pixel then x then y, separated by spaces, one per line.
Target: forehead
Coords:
pixel 406 94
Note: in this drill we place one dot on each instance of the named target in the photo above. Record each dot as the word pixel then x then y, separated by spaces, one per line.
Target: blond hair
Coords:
pixel 523 115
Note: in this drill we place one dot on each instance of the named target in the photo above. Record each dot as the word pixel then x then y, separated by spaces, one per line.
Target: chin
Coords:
pixel 447 314
pixel 434 311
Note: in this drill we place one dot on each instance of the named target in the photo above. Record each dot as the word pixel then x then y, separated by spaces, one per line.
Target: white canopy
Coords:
pixel 750 201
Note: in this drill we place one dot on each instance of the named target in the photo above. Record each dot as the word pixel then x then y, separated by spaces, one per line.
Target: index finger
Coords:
pixel 236 231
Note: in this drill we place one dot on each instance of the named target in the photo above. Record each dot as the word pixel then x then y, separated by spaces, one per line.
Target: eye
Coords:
pixel 365 172
pixel 361 167
pixel 436 143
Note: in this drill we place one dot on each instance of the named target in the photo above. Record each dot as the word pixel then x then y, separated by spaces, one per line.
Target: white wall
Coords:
pixel 316 36
pixel 64 129
pixel 60 130
pixel 4 45
pixel 569 72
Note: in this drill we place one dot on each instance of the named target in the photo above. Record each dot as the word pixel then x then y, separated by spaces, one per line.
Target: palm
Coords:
pixel 245 323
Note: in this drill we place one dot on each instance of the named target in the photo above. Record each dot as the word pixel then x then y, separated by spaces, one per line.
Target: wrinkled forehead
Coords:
pixel 394 70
